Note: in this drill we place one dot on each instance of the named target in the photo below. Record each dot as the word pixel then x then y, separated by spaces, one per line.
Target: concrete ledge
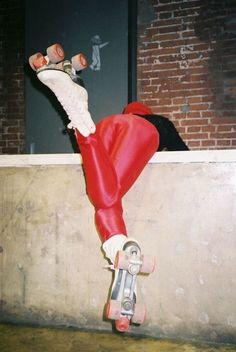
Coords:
pixel 183 212
pixel 76 159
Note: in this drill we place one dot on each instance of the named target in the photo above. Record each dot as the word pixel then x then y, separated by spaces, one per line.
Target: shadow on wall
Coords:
pixel 216 25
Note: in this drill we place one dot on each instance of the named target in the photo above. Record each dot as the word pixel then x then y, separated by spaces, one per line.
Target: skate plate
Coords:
pixel 122 306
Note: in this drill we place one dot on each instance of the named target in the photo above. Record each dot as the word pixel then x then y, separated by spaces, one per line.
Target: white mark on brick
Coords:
pixel 184 64
pixel 185 49
pixel 156 61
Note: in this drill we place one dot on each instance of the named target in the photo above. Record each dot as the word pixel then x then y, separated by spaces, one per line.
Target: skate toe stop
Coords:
pixel 122 324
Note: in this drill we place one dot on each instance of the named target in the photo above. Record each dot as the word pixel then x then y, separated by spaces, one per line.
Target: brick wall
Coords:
pixel 187 67
pixel 12 116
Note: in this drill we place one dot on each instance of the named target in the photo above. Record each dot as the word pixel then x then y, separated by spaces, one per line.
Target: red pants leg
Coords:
pixel 113 158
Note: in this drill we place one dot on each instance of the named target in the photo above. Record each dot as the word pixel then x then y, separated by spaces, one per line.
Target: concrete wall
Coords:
pixel 182 210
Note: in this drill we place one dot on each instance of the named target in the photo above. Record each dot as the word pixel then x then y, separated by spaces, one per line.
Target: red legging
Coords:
pixel 113 157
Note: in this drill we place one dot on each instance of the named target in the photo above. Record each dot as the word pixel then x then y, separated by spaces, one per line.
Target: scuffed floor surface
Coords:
pixel 27 339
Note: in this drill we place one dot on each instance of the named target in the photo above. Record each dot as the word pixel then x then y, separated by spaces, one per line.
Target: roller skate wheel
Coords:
pixel 122 324
pixel 55 53
pixel 79 62
pixel 139 316
pixel 122 260
pixel 113 309
pixel 148 264
pixel 37 61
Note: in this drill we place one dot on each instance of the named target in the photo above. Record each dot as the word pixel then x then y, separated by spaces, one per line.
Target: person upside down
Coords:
pixel 114 152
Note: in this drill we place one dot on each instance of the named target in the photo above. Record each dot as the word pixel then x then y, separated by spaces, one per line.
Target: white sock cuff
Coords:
pixel 113 245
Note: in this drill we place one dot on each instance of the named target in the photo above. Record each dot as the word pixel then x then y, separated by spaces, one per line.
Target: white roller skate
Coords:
pixel 122 306
pixel 61 77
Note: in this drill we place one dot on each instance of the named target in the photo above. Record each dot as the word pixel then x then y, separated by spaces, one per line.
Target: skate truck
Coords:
pixel 122 307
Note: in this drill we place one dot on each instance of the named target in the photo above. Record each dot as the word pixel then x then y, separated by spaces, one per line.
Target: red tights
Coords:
pixel 113 157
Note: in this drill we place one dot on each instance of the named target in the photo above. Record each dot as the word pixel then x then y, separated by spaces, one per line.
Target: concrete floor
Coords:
pixel 31 339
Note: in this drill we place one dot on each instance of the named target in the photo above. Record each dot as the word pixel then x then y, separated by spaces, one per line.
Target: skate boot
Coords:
pixel 122 307
pixel 61 77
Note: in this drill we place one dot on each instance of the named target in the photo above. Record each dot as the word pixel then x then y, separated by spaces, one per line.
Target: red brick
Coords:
pixel 165 15
pixel 189 33
pixel 194 100
pixel 9 136
pixel 164 101
pixel 193 122
pixel 193 144
pixel 181 130
pixel 223 120
pixel 209 128
pixel 208 143
pixel 193 136
pixel 165 66
pixel 181 101
pixel 164 37
pixel 10 150
pixel 170 29
pixel 226 128
pixel 199 107
pixel 180 42
pixel 168 22
pixel 193 129
pixel 12 129
pixel 170 7
pixel 199 78
pixel 193 114
pixel 179 115
pixel 223 135
pixel 13 143
pixel 207 113
pixel 224 142
pixel 198 70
